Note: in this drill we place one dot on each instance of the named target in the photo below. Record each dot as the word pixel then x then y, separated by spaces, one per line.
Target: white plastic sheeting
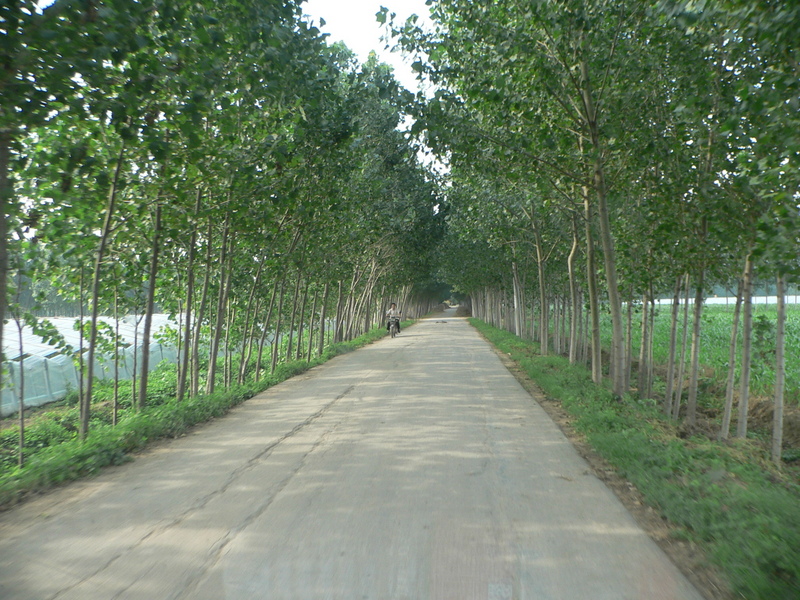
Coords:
pixel 49 374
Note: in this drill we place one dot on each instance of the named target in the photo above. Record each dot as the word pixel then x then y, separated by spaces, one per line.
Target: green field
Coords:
pixel 717 321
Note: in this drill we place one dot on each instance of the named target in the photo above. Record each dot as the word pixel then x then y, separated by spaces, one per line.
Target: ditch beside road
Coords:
pixel 416 467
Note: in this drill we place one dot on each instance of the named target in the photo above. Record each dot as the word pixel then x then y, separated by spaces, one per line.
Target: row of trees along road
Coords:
pixel 215 159
pixel 609 153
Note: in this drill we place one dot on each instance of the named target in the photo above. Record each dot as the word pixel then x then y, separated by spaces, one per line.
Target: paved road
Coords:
pixel 416 468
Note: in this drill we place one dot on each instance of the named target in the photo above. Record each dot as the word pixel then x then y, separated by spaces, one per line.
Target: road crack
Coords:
pixel 217 549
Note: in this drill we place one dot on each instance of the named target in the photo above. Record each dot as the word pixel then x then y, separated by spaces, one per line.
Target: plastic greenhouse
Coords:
pixel 50 374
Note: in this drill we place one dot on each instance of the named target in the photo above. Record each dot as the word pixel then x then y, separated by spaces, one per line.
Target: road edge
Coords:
pixel 687 556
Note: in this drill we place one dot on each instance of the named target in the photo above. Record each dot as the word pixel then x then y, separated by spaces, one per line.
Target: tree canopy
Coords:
pixel 654 143
pixel 221 161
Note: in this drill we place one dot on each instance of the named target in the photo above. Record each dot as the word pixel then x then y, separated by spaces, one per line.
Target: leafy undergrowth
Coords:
pixel 56 455
pixel 727 497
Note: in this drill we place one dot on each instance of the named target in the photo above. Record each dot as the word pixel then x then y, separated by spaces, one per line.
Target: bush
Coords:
pixel 42 434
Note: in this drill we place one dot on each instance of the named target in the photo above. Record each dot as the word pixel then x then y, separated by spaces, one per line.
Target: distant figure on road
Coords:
pixel 393 313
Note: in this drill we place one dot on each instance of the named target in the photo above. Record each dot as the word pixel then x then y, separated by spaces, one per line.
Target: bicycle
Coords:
pixel 394 326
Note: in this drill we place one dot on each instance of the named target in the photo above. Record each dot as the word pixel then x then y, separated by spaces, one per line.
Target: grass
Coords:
pixel 727 497
pixel 54 454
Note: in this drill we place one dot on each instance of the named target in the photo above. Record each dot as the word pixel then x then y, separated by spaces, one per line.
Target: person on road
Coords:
pixel 393 313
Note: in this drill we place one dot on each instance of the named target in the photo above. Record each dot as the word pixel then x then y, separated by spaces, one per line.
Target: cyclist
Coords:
pixel 393 313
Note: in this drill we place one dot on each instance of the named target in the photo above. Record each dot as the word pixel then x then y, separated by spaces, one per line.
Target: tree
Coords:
pixel 47 57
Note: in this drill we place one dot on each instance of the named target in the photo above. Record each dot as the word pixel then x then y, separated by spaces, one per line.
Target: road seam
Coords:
pixel 216 551
pixel 234 476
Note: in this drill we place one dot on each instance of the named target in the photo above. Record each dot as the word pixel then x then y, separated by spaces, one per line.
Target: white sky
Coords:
pixel 353 22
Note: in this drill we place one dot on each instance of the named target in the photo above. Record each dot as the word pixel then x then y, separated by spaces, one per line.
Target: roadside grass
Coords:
pixel 55 455
pixel 728 498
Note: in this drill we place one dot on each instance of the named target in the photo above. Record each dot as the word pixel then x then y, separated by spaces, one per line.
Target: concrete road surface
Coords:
pixel 416 468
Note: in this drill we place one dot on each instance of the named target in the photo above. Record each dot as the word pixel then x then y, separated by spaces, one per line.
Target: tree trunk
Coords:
pixel 300 354
pixel 780 372
pixel 650 361
pixel 150 308
pixel 230 319
pixel 507 306
pixel 583 326
pixel 311 325
pixel 294 316
pixel 615 306
pixel 6 200
pixel 337 326
pixel 250 342
pixel 249 323
pixel 357 311
pixel 629 340
pixel 115 405
pixel 544 316
pixel 350 306
pixel 179 337
pixel 643 350
pixel 691 403
pixel 747 340
pixel 565 319
pixel 201 314
pixel 181 392
pixel 594 307
pixel 676 407
pixel 135 373
pixel 368 311
pixel 21 419
pixel 352 312
pixel 518 329
pixel 277 339
pixel 556 325
pixel 322 317
pixel 230 316
pixel 673 338
pixel 725 429
pixel 405 302
pixel 586 338
pixel 346 311
pixel 527 315
pixel 265 330
pixel 219 317
pixel 497 298
pixel 98 263
pixel 81 346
